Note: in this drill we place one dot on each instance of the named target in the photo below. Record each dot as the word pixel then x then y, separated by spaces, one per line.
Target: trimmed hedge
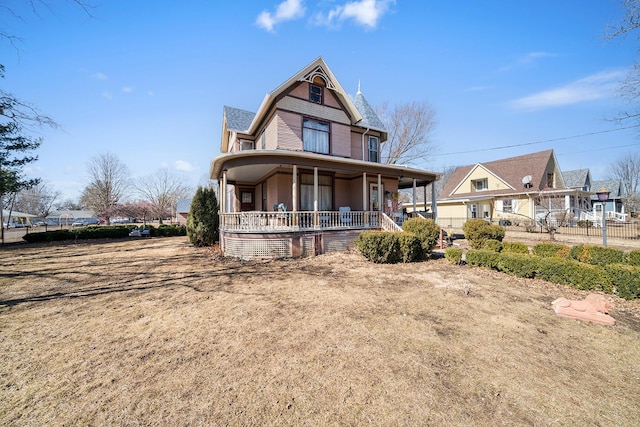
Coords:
pixel 492 245
pixel 453 255
pixel 515 247
pixel 626 279
pixel 518 264
pixel 102 232
pixel 382 247
pixel 477 231
pixel 620 279
pixel 633 258
pixel 597 255
pixel 549 249
pixel 427 231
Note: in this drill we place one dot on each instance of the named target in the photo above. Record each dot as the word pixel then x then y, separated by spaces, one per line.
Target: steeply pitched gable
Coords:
pixel 511 170
pixel 577 178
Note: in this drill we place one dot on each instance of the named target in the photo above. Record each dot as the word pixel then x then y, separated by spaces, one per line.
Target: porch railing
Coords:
pixel 257 221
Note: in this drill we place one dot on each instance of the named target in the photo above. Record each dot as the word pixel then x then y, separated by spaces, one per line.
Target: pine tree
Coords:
pixel 203 220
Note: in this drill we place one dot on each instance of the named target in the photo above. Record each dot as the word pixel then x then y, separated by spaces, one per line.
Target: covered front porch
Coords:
pixel 287 204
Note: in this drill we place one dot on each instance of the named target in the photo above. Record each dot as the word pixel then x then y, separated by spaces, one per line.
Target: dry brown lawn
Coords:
pixel 155 332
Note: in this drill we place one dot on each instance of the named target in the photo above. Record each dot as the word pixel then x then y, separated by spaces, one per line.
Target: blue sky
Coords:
pixel 147 80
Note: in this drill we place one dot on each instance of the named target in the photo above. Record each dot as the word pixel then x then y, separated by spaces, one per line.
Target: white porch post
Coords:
pixel 223 199
pixel 380 201
pixel 294 188
pixel 294 195
pixel 364 191
pixel 434 202
pixel 316 219
pixel 415 210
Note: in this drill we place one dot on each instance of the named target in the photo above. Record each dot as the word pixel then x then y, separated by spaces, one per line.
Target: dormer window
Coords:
pixel 246 145
pixel 480 184
pixel 315 93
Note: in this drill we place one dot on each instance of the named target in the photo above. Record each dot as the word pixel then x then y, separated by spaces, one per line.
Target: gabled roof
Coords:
pixel 576 179
pixel 316 68
pixel 358 110
pixel 511 171
pixel 614 186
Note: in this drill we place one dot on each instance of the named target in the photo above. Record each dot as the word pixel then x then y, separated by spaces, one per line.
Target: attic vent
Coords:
pixel 319 72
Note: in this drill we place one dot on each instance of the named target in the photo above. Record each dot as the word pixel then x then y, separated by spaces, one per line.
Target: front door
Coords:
pixel 374 203
pixel 247 200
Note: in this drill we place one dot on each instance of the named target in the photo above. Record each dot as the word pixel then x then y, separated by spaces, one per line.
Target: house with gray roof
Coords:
pixel 614 205
pixel 302 175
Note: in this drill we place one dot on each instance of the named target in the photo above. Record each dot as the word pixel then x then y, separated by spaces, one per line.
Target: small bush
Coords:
pixel 626 279
pixel 585 223
pixel 573 273
pixel 515 247
pixel 633 258
pixel 380 247
pixel 479 258
pixel 453 255
pixel 410 247
pixel 166 230
pixel 427 231
pixel 492 245
pixel 597 255
pixel 549 249
pixel 477 231
pixel 518 264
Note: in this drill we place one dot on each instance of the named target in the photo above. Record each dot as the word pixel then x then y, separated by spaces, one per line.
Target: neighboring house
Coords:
pixel 614 206
pixel 516 189
pixel 302 175
pixel 182 210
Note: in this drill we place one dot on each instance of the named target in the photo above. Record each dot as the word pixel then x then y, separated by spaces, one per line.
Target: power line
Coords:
pixel 539 142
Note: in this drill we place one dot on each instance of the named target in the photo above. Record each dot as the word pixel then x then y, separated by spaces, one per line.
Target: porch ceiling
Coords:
pixel 251 166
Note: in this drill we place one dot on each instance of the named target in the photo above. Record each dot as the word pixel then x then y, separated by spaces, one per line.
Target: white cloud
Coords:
pixel 286 11
pixel 100 76
pixel 590 88
pixel 127 89
pixel 185 166
pixel 164 165
pixel 527 59
pixel 150 93
pixel 107 94
pixel 364 12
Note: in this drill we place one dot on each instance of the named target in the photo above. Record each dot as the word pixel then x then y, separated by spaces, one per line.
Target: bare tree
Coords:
pixel 37 200
pixel 109 181
pixel 630 87
pixel 626 168
pixel 162 190
pixel 410 127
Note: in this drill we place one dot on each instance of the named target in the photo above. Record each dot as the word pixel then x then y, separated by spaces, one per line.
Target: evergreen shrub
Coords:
pixel 477 231
pixel 453 255
pixel 426 230
pixel 549 249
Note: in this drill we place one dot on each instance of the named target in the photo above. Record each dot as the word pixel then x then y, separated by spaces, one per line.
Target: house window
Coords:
pixel 480 184
pixel 550 179
pixel 325 192
pixel 315 136
pixel 373 149
pixel 263 141
pixel 246 145
pixel 315 94
pixel 507 205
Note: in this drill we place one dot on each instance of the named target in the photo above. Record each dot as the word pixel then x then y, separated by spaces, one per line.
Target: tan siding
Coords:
pixel 330 99
pixel 343 193
pixel 356 145
pixel 271 133
pixel 313 110
pixel 289 134
pixel 340 140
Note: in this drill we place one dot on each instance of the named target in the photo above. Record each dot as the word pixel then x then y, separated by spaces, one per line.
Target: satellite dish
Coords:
pixel 527 181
